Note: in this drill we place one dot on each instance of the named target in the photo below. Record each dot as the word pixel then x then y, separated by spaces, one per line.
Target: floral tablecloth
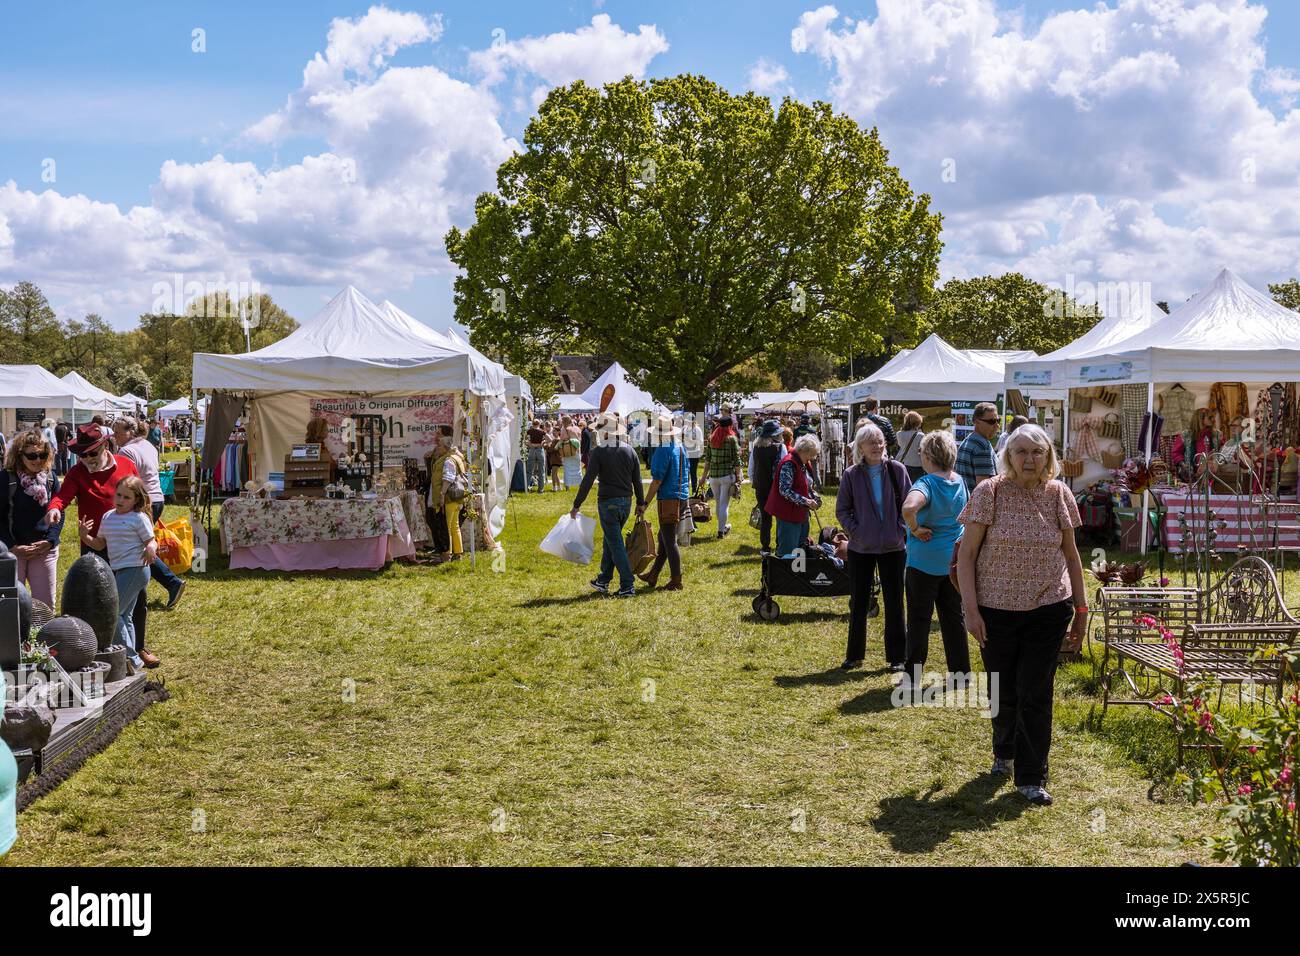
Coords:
pixel 254 522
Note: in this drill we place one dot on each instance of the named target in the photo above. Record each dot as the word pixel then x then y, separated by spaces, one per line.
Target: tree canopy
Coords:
pixel 686 231
pixel 1007 311
pixel 157 355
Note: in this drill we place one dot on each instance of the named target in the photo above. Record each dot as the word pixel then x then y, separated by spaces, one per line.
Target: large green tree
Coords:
pixel 30 333
pixel 686 231
pixel 1007 311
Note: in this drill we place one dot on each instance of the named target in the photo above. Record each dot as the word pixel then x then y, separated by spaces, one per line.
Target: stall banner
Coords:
pixel 409 423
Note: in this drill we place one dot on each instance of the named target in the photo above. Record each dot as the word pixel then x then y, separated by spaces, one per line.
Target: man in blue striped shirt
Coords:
pixel 975 460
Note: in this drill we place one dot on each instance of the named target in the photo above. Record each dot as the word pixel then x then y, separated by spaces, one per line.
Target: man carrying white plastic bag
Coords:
pixel 573 539
pixel 619 469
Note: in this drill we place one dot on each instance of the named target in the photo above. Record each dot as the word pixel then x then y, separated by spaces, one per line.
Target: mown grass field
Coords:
pixel 505 717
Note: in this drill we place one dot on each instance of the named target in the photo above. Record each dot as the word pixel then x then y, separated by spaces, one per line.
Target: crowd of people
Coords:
pixel 114 481
pixel 981 535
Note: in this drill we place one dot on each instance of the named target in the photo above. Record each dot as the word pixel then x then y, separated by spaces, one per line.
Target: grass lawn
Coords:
pixel 503 718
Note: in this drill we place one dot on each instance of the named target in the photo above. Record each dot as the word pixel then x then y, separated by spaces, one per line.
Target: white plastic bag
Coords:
pixel 573 539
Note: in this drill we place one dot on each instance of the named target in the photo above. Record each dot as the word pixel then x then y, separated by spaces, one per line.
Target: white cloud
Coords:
pixel 770 79
pixel 1124 139
pixel 406 151
pixel 599 53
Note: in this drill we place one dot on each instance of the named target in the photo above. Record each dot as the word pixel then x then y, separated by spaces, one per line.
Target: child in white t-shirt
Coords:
pixel 126 533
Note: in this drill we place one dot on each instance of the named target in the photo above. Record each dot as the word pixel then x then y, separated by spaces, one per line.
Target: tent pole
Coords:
pixel 1146 495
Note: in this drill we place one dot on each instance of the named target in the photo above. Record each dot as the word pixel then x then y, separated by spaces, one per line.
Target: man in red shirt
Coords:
pixel 92 483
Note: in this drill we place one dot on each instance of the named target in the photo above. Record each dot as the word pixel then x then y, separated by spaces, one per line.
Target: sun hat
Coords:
pixel 665 428
pixel 770 428
pixel 90 438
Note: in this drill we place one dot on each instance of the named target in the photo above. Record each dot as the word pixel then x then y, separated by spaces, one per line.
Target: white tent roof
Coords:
pixel 515 385
pixel 30 386
pixel 572 403
pixel 627 397
pixel 933 371
pixel 131 401
pixel 761 400
pixel 353 345
pixel 1229 331
pixel 90 395
pixel 1135 315
pixel 181 407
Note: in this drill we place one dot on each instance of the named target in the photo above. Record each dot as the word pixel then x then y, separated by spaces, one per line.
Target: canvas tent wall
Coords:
pixel 354 348
pixel 90 398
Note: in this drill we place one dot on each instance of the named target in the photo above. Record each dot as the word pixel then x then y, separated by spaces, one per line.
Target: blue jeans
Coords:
pixel 537 468
pixel 131 583
pixel 614 513
pixel 790 536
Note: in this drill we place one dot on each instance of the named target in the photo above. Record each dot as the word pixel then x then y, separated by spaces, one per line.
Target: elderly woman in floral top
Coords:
pixel 1022 586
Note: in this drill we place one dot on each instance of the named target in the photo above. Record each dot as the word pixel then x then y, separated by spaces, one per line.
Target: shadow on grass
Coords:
pixel 832 677
pixel 566 599
pixel 919 823
pixel 878 700
pixel 800 617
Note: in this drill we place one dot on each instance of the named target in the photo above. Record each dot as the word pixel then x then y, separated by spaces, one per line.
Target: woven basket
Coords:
pixel 1110 427
pixel 1112 459
pixel 1108 396
pixel 1071 467
pixel 1079 402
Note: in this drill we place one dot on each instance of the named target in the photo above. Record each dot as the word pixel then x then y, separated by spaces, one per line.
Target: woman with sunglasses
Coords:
pixel 26 486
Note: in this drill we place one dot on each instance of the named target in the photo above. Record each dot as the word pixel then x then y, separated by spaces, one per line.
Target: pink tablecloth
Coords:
pixel 348 553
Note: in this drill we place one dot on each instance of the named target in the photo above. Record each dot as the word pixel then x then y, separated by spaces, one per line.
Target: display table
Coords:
pixel 413 509
pixel 1247 524
pixel 314 534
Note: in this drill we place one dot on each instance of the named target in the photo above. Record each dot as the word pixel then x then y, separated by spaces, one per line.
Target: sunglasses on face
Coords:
pixel 987 421
pixel 34 455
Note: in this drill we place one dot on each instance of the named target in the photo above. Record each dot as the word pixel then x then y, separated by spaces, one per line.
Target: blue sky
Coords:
pixel 1127 164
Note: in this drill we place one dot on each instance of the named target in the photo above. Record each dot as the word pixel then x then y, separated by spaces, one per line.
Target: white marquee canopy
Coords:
pixel 1229 331
pixel 627 397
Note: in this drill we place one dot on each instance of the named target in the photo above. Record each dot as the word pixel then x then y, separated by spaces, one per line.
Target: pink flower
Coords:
pixel 1253 750
pixel 1244 790
pixel 1164 582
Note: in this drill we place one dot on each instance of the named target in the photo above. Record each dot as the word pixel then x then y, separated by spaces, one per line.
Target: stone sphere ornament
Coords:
pixel 71 640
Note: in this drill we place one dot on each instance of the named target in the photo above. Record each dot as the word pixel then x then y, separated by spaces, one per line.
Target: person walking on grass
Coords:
pixel 871 406
pixel 909 445
pixel 133 445
pixel 26 486
pixel 869 507
pixel 570 451
pixel 537 455
pixel 1022 591
pixel 792 496
pixel 930 512
pixel 670 488
pixel 555 456
pixel 722 469
pixel 693 440
pixel 125 536
pixel 616 466
pixel 975 459
pixel 766 454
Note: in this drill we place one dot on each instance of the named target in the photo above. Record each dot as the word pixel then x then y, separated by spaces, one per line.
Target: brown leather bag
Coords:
pixel 640 544
pixel 956 548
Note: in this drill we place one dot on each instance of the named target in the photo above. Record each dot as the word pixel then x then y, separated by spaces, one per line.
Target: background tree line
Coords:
pixel 155 357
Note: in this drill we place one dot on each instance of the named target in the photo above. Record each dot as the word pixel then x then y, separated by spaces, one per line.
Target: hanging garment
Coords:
pixel 1228 400
pixel 1149 434
pixel 1133 405
pixel 1177 405
pixel 1274 410
pixel 1086 444
pixel 224 410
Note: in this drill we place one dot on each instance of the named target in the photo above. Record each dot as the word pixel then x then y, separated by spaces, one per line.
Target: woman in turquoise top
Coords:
pixel 930 512
pixel 8 787
pixel 669 488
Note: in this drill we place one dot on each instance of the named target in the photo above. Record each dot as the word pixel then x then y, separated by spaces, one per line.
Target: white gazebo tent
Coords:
pixel 796 401
pixel 573 403
pixel 181 407
pixel 90 396
pixel 1228 332
pixel 934 371
pixel 627 398
pixel 32 388
pixel 353 347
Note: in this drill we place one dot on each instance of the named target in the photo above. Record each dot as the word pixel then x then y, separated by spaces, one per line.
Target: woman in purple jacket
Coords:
pixel 869 507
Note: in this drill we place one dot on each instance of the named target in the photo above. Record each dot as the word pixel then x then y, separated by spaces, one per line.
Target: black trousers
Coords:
pixel 668 550
pixel 925 592
pixel 1022 649
pixel 695 473
pixel 862 569
pixel 765 526
pixel 438 529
